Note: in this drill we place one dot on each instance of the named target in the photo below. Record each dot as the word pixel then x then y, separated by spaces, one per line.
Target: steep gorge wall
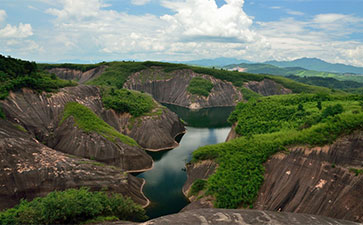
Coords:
pixel 39 154
pixel 78 75
pixel 305 180
pixel 172 88
pixel 316 180
pixel 29 169
pixel 267 87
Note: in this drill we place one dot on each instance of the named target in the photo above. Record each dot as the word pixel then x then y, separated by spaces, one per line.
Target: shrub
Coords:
pixel 197 186
pixel 332 110
pixel 200 86
pixel 71 207
pixel 132 102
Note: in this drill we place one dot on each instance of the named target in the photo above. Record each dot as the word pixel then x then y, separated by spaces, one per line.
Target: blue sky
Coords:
pixel 170 30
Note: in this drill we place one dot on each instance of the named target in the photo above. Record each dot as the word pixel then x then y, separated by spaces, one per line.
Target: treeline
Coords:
pixel 327 82
pixel 16 74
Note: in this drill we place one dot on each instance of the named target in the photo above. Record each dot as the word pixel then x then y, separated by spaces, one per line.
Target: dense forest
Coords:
pixel 329 82
pixel 16 74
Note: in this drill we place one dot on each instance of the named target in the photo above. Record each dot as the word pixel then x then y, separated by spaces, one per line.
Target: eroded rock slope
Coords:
pixel 316 180
pixel 78 75
pixel 30 169
pixel 172 87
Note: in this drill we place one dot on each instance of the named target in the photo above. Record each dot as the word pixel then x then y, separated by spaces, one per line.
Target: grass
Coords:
pixel 200 86
pixel 273 124
pixel 73 206
pixel 21 128
pixel 88 121
pixel 197 186
pixel 356 171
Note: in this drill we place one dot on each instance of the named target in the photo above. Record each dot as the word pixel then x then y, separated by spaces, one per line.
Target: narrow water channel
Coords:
pixel 165 181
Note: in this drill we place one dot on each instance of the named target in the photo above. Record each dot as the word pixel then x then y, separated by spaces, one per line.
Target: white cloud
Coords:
pixel 140 2
pixel 294 13
pixel 2 15
pixel 21 31
pixel 203 19
pixel 321 36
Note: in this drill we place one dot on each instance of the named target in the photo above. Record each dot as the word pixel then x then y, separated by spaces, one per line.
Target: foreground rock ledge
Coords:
pixel 240 217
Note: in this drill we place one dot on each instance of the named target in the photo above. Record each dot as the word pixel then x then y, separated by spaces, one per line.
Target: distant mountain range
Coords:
pixel 261 68
pixel 318 65
pixel 303 63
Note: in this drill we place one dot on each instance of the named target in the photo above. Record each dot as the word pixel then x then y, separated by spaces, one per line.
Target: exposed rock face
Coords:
pixel 316 180
pixel 232 133
pixel 30 169
pixel 307 180
pixel 240 217
pixel 41 114
pixel 267 87
pixel 81 77
pixel 153 133
pixel 172 88
pixel 199 170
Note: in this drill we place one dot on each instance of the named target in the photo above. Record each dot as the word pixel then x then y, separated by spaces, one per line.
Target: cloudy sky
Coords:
pixel 170 30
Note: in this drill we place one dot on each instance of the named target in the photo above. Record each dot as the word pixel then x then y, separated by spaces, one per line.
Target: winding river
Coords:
pixel 165 181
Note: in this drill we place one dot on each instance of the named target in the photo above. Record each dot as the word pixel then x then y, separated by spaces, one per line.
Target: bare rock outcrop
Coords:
pixel 172 87
pixel 267 87
pixel 78 75
pixel 41 114
pixel 154 132
pixel 30 169
pixel 239 217
pixel 316 180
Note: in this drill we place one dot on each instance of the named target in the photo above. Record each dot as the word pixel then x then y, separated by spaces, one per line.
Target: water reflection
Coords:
pixel 165 181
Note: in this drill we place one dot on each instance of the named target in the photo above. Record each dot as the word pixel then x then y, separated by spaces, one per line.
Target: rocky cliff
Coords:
pixel 172 87
pixel 316 180
pixel 38 116
pixel 239 217
pixel 267 87
pixel 30 169
pixel 78 75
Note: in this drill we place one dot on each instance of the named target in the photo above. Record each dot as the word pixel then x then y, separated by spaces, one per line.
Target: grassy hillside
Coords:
pixel 16 74
pixel 261 68
pixel 268 125
pixel 88 121
pixel 350 86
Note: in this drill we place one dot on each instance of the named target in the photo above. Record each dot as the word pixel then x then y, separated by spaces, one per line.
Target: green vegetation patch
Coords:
pixel 132 102
pixel 200 86
pixel 72 207
pixel 81 67
pixel 88 121
pixel 2 114
pixel 197 186
pixel 16 74
pixel 356 171
pixel 249 94
pixel 117 73
pixel 273 124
